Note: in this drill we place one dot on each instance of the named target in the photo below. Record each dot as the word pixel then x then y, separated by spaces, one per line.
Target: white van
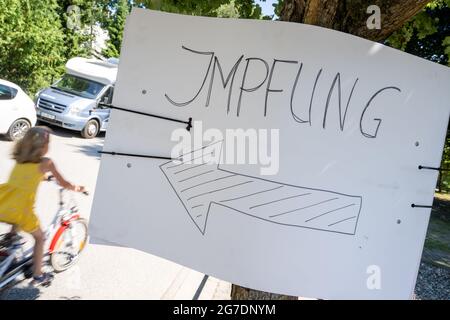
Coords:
pixel 73 101
pixel 17 113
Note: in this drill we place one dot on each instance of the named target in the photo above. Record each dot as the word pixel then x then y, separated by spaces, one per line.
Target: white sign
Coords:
pixel 304 158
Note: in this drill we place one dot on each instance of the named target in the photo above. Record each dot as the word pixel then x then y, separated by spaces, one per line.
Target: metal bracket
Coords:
pixel 420 206
pixel 135 155
pixel 189 122
pixel 432 168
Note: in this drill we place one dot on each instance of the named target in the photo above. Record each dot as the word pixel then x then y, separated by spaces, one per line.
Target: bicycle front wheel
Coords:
pixel 70 243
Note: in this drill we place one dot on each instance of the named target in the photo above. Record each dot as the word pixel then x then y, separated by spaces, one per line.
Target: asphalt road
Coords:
pixel 103 272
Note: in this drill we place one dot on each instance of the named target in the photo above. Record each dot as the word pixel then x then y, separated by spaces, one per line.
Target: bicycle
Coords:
pixel 66 237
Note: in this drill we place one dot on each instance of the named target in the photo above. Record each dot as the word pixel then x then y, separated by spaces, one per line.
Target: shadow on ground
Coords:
pixel 91 150
pixel 21 293
pixel 66 133
pixel 71 298
pixel 58 131
pixel 3 138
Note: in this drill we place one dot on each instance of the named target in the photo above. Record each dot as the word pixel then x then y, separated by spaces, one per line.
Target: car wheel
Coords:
pixel 90 130
pixel 18 129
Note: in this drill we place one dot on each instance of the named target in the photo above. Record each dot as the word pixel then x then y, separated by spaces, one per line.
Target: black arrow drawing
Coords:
pixel 201 185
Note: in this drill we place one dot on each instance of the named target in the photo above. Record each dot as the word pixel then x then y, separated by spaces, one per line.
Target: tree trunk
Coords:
pixel 348 16
pixel 351 16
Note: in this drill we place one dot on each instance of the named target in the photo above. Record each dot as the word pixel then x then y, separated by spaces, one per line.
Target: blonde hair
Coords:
pixel 32 146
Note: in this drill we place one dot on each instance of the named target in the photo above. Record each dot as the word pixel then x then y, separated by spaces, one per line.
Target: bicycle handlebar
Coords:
pixel 52 178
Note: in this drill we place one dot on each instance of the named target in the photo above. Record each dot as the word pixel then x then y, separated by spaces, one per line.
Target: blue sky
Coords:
pixel 266 6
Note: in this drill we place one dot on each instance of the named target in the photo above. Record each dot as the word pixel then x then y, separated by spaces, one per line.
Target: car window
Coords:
pixel 79 86
pixel 7 93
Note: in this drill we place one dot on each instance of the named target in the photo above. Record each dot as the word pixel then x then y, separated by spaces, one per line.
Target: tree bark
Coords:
pixel 348 16
pixel 351 16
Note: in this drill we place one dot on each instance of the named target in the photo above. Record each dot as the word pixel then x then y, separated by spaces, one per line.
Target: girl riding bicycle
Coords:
pixel 17 196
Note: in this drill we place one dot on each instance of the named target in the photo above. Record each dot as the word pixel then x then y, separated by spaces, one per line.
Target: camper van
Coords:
pixel 76 101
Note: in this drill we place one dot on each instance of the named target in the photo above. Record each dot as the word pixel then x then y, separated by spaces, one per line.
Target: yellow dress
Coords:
pixel 17 197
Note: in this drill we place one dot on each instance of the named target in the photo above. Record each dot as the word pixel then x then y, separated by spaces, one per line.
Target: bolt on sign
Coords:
pixel 342 214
